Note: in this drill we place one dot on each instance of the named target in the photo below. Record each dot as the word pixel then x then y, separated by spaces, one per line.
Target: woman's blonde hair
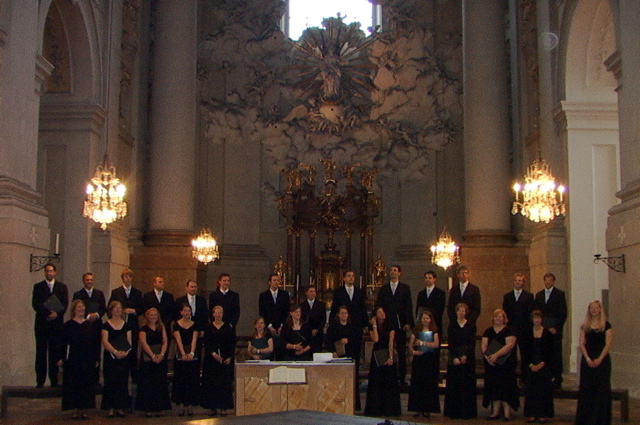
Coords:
pixel 597 323
pixel 159 323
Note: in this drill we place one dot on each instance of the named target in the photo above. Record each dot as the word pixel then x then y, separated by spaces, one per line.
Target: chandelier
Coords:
pixel 539 199
pixel 205 247
pixel 445 252
pixel 105 196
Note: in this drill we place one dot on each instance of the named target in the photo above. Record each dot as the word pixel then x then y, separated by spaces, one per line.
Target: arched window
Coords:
pixel 302 14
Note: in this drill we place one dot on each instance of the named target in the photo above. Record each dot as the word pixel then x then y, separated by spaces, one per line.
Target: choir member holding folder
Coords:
pixel 296 336
pixel 425 371
pixel 116 340
pixel 260 347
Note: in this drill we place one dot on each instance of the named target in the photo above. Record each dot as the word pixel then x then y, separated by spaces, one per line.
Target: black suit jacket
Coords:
pixel 398 306
pixel 357 306
pixel 97 298
pixel 202 314
pixel 166 306
pixel 519 312
pixel 316 317
pixel 134 301
pixel 40 295
pixel 471 298
pixel 554 311
pixel 435 304
pixel 274 313
pixel 230 302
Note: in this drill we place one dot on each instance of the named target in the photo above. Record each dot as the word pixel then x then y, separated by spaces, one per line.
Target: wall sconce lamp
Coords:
pixel 37 262
pixel 614 263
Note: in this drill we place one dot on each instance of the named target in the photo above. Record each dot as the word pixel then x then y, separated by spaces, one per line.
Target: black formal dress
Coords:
pixel 186 374
pixel 538 395
pixel 500 380
pixel 399 311
pixel 78 385
pixel 217 378
pixel 201 315
pixel 292 336
pixel 263 342
pixel 383 392
pixel 424 394
pixel 166 306
pixel 554 313
pixel 230 302
pixel 594 395
pixel 133 301
pixel 471 298
pixel 153 387
pixel 48 332
pixel 336 332
pixel 460 396
pixel 115 371
pixel 435 303
pixel 94 304
pixel 316 318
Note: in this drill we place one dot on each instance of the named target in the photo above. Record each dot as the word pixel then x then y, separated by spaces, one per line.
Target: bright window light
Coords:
pixel 305 13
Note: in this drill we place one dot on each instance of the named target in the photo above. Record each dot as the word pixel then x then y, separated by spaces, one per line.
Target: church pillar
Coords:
pixel 488 242
pixel 172 149
pixel 623 232
pixel 23 220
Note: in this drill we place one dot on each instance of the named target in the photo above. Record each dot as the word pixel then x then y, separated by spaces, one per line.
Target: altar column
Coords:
pixel 488 247
pixel 172 148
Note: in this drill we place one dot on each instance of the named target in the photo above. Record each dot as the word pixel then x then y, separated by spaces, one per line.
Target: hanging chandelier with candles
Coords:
pixel 205 247
pixel 445 252
pixel 105 196
pixel 539 199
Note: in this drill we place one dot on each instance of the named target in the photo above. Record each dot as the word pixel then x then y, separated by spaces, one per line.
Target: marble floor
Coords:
pixel 47 412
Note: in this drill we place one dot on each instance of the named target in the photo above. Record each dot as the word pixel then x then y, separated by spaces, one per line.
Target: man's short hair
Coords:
pixel 55 269
pixel 223 275
pixel 396 266
pixel 462 268
pixel 432 273
pixel 126 272
pixel 524 278
pixel 551 275
pixel 189 281
pixel 86 274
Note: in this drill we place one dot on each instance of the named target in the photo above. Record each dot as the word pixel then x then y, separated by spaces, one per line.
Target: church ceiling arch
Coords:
pixel 384 101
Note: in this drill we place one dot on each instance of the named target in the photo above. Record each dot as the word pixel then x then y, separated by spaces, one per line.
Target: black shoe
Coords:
pixel 56 385
pixel 39 385
pixel 493 418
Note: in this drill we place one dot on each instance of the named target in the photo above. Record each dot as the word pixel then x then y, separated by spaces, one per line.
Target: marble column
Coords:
pixel 172 149
pixel 173 118
pixel 486 118
pixel 623 232
pixel 487 248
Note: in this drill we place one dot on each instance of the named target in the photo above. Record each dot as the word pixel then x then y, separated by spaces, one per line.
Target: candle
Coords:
pixel 57 251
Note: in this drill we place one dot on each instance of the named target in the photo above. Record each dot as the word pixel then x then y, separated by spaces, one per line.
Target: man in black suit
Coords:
pixel 95 308
pixel 198 304
pixel 131 300
pixel 314 312
pixel 226 298
pixel 160 299
pixel 273 306
pixel 395 298
pixel 432 298
pixel 464 292
pixel 50 299
pixel 353 299
pixel 553 304
pixel 518 304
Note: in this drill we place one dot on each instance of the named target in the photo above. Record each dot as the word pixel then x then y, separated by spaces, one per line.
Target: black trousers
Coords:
pixel 556 359
pixel 48 352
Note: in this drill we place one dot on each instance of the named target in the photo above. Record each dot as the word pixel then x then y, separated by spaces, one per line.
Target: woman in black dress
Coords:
pixel 538 396
pixel 500 381
pixel 342 340
pixel 260 347
pixel 594 396
pixel 153 386
pixel 217 370
pixel 383 392
pixel 116 340
pixel 460 401
pixel 424 397
pixel 296 336
pixel 78 385
pixel 186 371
